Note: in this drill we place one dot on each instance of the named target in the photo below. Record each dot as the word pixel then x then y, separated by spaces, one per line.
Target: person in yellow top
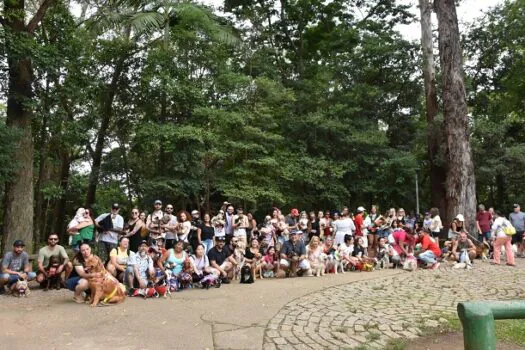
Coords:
pixel 118 259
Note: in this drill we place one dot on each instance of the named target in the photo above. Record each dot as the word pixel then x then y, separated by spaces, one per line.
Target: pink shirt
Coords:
pixel 401 235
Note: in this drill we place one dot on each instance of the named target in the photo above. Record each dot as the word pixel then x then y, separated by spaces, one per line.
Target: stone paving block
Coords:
pixel 279 341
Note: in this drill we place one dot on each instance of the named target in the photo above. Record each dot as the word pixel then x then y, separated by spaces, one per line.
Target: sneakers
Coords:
pixel 435 266
pixel 226 280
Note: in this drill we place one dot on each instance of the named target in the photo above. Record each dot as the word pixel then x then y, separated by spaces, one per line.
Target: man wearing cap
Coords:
pixel 140 267
pixel 293 256
pixel 112 225
pixel 517 219
pixel 15 266
pixel 221 259
pixel 292 220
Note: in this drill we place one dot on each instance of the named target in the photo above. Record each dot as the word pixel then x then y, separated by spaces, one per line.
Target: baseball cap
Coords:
pixel 115 206
pixel 220 238
pixel 295 232
pixel 294 212
pixel 143 242
pixel 19 243
pixel 194 212
pixel 158 201
pixel 460 217
pixel 360 209
pixel 516 205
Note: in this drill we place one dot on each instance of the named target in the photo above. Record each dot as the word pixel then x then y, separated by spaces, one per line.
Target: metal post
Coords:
pixel 477 318
pixel 417 196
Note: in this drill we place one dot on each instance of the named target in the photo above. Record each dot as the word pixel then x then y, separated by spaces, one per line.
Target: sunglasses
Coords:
pixel 169 208
pixel 53 239
pixel 134 212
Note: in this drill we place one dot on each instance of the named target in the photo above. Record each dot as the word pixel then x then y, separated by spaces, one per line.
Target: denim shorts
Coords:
pixel 11 279
pixel 72 282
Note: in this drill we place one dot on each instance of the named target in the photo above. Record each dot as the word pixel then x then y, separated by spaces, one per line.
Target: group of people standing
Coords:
pixel 145 246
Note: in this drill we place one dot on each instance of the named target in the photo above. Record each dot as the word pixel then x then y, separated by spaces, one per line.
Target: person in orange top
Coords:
pixel 429 249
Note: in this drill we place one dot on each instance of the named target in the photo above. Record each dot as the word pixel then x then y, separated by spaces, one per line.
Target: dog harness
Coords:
pixel 111 295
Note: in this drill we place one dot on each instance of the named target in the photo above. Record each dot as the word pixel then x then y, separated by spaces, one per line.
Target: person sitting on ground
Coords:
pixel 429 249
pixel 174 259
pixel 15 266
pixel 360 251
pixel 221 260
pixel 201 263
pixel 502 239
pixel 314 250
pixel 118 259
pixel 252 255
pixel 346 249
pixel 461 246
pixel 329 249
pixel 456 227
pixel 78 279
pixel 270 263
pixel 140 267
pixel 293 256
pixel 52 249
pixel 402 243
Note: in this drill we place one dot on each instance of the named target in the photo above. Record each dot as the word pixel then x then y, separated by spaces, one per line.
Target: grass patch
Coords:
pixel 361 347
pixel 372 336
pixel 511 331
pixel 396 344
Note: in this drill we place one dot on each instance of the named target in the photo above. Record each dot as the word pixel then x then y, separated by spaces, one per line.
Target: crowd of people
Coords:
pixel 188 250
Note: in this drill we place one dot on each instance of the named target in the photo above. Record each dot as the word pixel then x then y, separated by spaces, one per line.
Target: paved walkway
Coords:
pixel 335 311
pixel 372 312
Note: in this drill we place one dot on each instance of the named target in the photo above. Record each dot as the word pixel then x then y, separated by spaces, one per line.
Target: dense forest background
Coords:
pixel 302 103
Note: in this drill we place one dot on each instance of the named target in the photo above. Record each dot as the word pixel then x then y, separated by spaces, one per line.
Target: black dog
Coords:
pixel 53 277
pixel 246 275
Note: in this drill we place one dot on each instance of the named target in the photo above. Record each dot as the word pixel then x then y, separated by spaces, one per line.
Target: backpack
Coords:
pixel 507 228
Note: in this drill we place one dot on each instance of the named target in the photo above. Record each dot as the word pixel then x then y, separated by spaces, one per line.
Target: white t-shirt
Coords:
pixel 435 224
pixel 497 227
pixel 110 236
pixel 344 226
pixel 243 222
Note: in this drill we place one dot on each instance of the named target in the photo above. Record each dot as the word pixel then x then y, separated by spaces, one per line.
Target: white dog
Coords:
pixel 410 263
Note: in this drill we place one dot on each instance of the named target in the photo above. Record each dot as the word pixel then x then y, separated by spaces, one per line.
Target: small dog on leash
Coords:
pixel 21 289
pixel 246 275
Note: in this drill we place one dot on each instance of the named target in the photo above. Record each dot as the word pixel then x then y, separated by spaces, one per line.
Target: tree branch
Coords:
pixel 37 18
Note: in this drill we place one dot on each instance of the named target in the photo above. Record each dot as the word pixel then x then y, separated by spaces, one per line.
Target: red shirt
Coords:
pixel 484 218
pixel 358 222
pixel 428 244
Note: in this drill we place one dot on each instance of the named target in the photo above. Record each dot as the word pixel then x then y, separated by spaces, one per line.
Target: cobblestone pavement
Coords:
pixel 372 312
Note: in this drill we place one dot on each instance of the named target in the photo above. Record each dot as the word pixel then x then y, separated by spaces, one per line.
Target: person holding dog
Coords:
pixel 79 277
pixel 15 266
pixel 112 225
pixel 221 259
pixel 293 256
pixel 52 249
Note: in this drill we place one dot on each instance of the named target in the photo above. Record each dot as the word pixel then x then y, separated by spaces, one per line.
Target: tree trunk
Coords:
pixel 460 184
pixel 437 169
pixel 107 111
pixel 18 212
pixel 58 217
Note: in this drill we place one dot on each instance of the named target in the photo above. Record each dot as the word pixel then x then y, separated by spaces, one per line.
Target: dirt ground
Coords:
pixel 233 316
pixel 450 341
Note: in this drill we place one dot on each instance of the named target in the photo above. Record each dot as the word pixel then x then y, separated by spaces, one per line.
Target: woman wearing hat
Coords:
pixel 456 227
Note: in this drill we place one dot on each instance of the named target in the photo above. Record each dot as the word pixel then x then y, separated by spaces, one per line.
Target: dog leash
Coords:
pixel 111 295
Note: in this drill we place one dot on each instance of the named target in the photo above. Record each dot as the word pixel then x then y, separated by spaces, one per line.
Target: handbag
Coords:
pixel 508 229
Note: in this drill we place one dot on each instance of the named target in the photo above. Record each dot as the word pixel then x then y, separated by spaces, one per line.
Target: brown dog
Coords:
pixel 105 287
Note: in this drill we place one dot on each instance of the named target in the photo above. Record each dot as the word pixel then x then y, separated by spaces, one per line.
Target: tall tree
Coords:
pixel 434 127
pixel 18 210
pixel 460 184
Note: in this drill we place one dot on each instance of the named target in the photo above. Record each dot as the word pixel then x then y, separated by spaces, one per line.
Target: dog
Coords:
pixel 383 262
pixel 464 262
pixel 410 263
pixel 319 266
pixel 210 281
pixel 238 255
pixel 339 264
pixel 104 287
pixel 149 292
pixel 21 288
pixel 246 275
pixel 53 278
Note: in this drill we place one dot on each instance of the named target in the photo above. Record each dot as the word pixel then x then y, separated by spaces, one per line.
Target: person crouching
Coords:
pixel 293 256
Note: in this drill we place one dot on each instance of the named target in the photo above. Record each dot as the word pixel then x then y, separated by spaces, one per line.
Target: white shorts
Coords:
pixel 303 264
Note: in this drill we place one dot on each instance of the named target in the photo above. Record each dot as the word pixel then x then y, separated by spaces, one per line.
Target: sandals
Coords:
pixel 78 301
